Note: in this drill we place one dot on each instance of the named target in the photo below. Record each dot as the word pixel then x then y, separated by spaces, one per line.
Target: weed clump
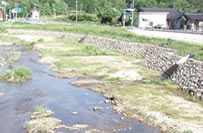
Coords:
pixel 42 121
pixel 94 50
pixel 41 40
pixel 19 74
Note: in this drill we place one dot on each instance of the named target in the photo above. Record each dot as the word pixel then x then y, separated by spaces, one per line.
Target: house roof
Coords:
pixel 194 16
pixel 173 13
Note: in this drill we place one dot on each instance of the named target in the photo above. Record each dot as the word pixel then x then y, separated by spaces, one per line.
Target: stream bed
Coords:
pixel 19 100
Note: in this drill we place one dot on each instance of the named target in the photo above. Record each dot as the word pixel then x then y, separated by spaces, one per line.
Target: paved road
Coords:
pixel 194 38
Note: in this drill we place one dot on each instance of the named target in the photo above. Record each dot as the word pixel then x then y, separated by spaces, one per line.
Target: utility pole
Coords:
pixel 67 9
pixel 76 11
pixel 16 11
pixel 10 13
pixel 4 7
pixel 133 6
pixel 124 17
pixel 81 8
pixel 54 11
pixel 5 14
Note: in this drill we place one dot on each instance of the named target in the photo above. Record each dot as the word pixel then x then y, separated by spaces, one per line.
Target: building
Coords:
pixel 34 14
pixel 162 18
pixel 194 21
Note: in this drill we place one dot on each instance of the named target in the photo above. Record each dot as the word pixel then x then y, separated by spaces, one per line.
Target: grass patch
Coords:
pixel 3 29
pixel 81 19
pixel 72 48
pixel 183 48
pixel 41 121
pixel 74 64
pixel 94 50
pixel 19 74
pixel 41 40
pixel 188 131
pixel 40 109
pixel 148 93
pixel 7 38
pixel 15 41
pixel 20 23
pixel 69 63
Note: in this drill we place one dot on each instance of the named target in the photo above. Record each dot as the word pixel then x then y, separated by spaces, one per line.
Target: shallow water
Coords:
pixel 19 100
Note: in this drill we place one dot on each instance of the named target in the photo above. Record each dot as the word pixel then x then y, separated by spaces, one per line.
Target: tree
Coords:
pixel 61 7
pixel 45 9
pixel 102 7
pixel 107 14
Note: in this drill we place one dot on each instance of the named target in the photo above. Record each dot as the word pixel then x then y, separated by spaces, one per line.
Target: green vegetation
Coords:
pixel 188 131
pixel 14 40
pixel 94 50
pixel 41 121
pixel 40 109
pixel 42 112
pixel 183 48
pixel 76 49
pixel 69 63
pixel 93 6
pixel 20 23
pixel 107 14
pixel 84 18
pixel 108 11
pixel 2 29
pixel 153 95
pixel 19 74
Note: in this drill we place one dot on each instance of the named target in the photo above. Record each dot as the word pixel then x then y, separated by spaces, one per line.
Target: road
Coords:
pixel 193 38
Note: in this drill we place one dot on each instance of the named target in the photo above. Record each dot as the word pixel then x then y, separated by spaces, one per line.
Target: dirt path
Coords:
pixel 193 38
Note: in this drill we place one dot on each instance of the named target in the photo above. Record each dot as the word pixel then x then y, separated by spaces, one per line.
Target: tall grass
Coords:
pixel 19 74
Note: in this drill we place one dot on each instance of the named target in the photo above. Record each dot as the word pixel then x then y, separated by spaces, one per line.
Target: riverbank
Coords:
pixel 134 90
pixel 183 48
pixel 70 109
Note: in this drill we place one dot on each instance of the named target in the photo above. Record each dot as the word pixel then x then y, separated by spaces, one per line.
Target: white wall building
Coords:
pixel 151 19
pixel 34 14
pixel 166 18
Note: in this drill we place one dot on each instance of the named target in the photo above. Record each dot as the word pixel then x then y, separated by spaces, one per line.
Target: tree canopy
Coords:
pixel 47 7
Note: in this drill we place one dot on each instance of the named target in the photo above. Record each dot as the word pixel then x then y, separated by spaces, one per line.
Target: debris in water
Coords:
pixel 122 118
pixel 107 101
pixel 97 108
pixel 74 113
pixel 100 102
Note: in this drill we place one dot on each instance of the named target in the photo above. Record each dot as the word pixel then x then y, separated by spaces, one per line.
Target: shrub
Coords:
pixel 19 74
pixel 94 50
pixel 84 18
pixel 109 16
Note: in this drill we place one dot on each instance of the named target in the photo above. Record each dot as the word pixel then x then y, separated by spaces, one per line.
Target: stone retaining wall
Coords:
pixel 189 75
